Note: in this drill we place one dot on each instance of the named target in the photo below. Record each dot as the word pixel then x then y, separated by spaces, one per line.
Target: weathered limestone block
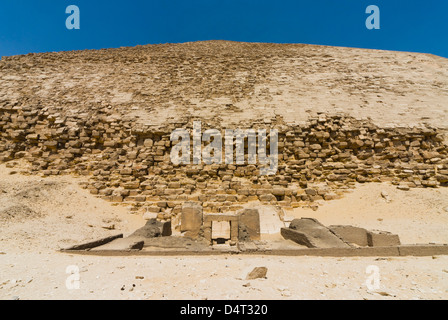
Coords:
pixel 132 185
pixel 191 218
pixel 351 234
pixel 311 233
pixel 249 220
pixel 266 198
pixel 278 192
pixel 220 230
pixel 257 273
pixel 382 239
pixel 110 144
pixel 297 237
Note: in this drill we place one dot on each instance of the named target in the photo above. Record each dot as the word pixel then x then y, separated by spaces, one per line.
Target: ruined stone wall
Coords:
pixel 129 163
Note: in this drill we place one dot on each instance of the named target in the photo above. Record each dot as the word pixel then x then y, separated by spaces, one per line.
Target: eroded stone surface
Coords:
pixel 191 218
pixel 250 221
pixel 351 234
pixel 313 234
pixel 59 113
pixel 382 239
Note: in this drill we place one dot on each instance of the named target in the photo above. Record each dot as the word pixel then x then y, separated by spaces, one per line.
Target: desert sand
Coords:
pixel 53 213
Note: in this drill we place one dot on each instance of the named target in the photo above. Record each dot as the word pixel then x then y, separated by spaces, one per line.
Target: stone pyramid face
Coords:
pixel 228 82
pixel 343 116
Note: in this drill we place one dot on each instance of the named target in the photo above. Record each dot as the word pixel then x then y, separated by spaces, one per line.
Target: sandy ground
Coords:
pixel 49 214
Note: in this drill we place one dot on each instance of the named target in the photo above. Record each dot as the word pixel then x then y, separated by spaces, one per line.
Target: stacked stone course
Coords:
pixel 130 163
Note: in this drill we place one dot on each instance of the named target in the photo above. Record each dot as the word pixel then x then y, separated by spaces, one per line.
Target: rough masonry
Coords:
pixel 125 157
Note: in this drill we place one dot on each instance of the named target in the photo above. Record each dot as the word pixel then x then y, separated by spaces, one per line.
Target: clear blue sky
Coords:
pixel 39 25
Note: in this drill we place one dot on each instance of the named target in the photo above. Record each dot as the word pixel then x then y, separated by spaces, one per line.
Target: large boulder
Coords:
pixel 311 233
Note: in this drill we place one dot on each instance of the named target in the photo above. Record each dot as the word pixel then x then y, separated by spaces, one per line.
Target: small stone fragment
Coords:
pixel 257 273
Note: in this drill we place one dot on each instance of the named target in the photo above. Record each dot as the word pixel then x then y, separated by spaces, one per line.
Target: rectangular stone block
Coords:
pixel 191 217
pixel 351 234
pixel 423 250
pixel 250 218
pixel 220 230
pixel 382 239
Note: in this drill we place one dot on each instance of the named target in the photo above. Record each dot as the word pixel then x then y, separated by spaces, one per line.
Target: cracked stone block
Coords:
pixel 350 234
pixel 311 233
